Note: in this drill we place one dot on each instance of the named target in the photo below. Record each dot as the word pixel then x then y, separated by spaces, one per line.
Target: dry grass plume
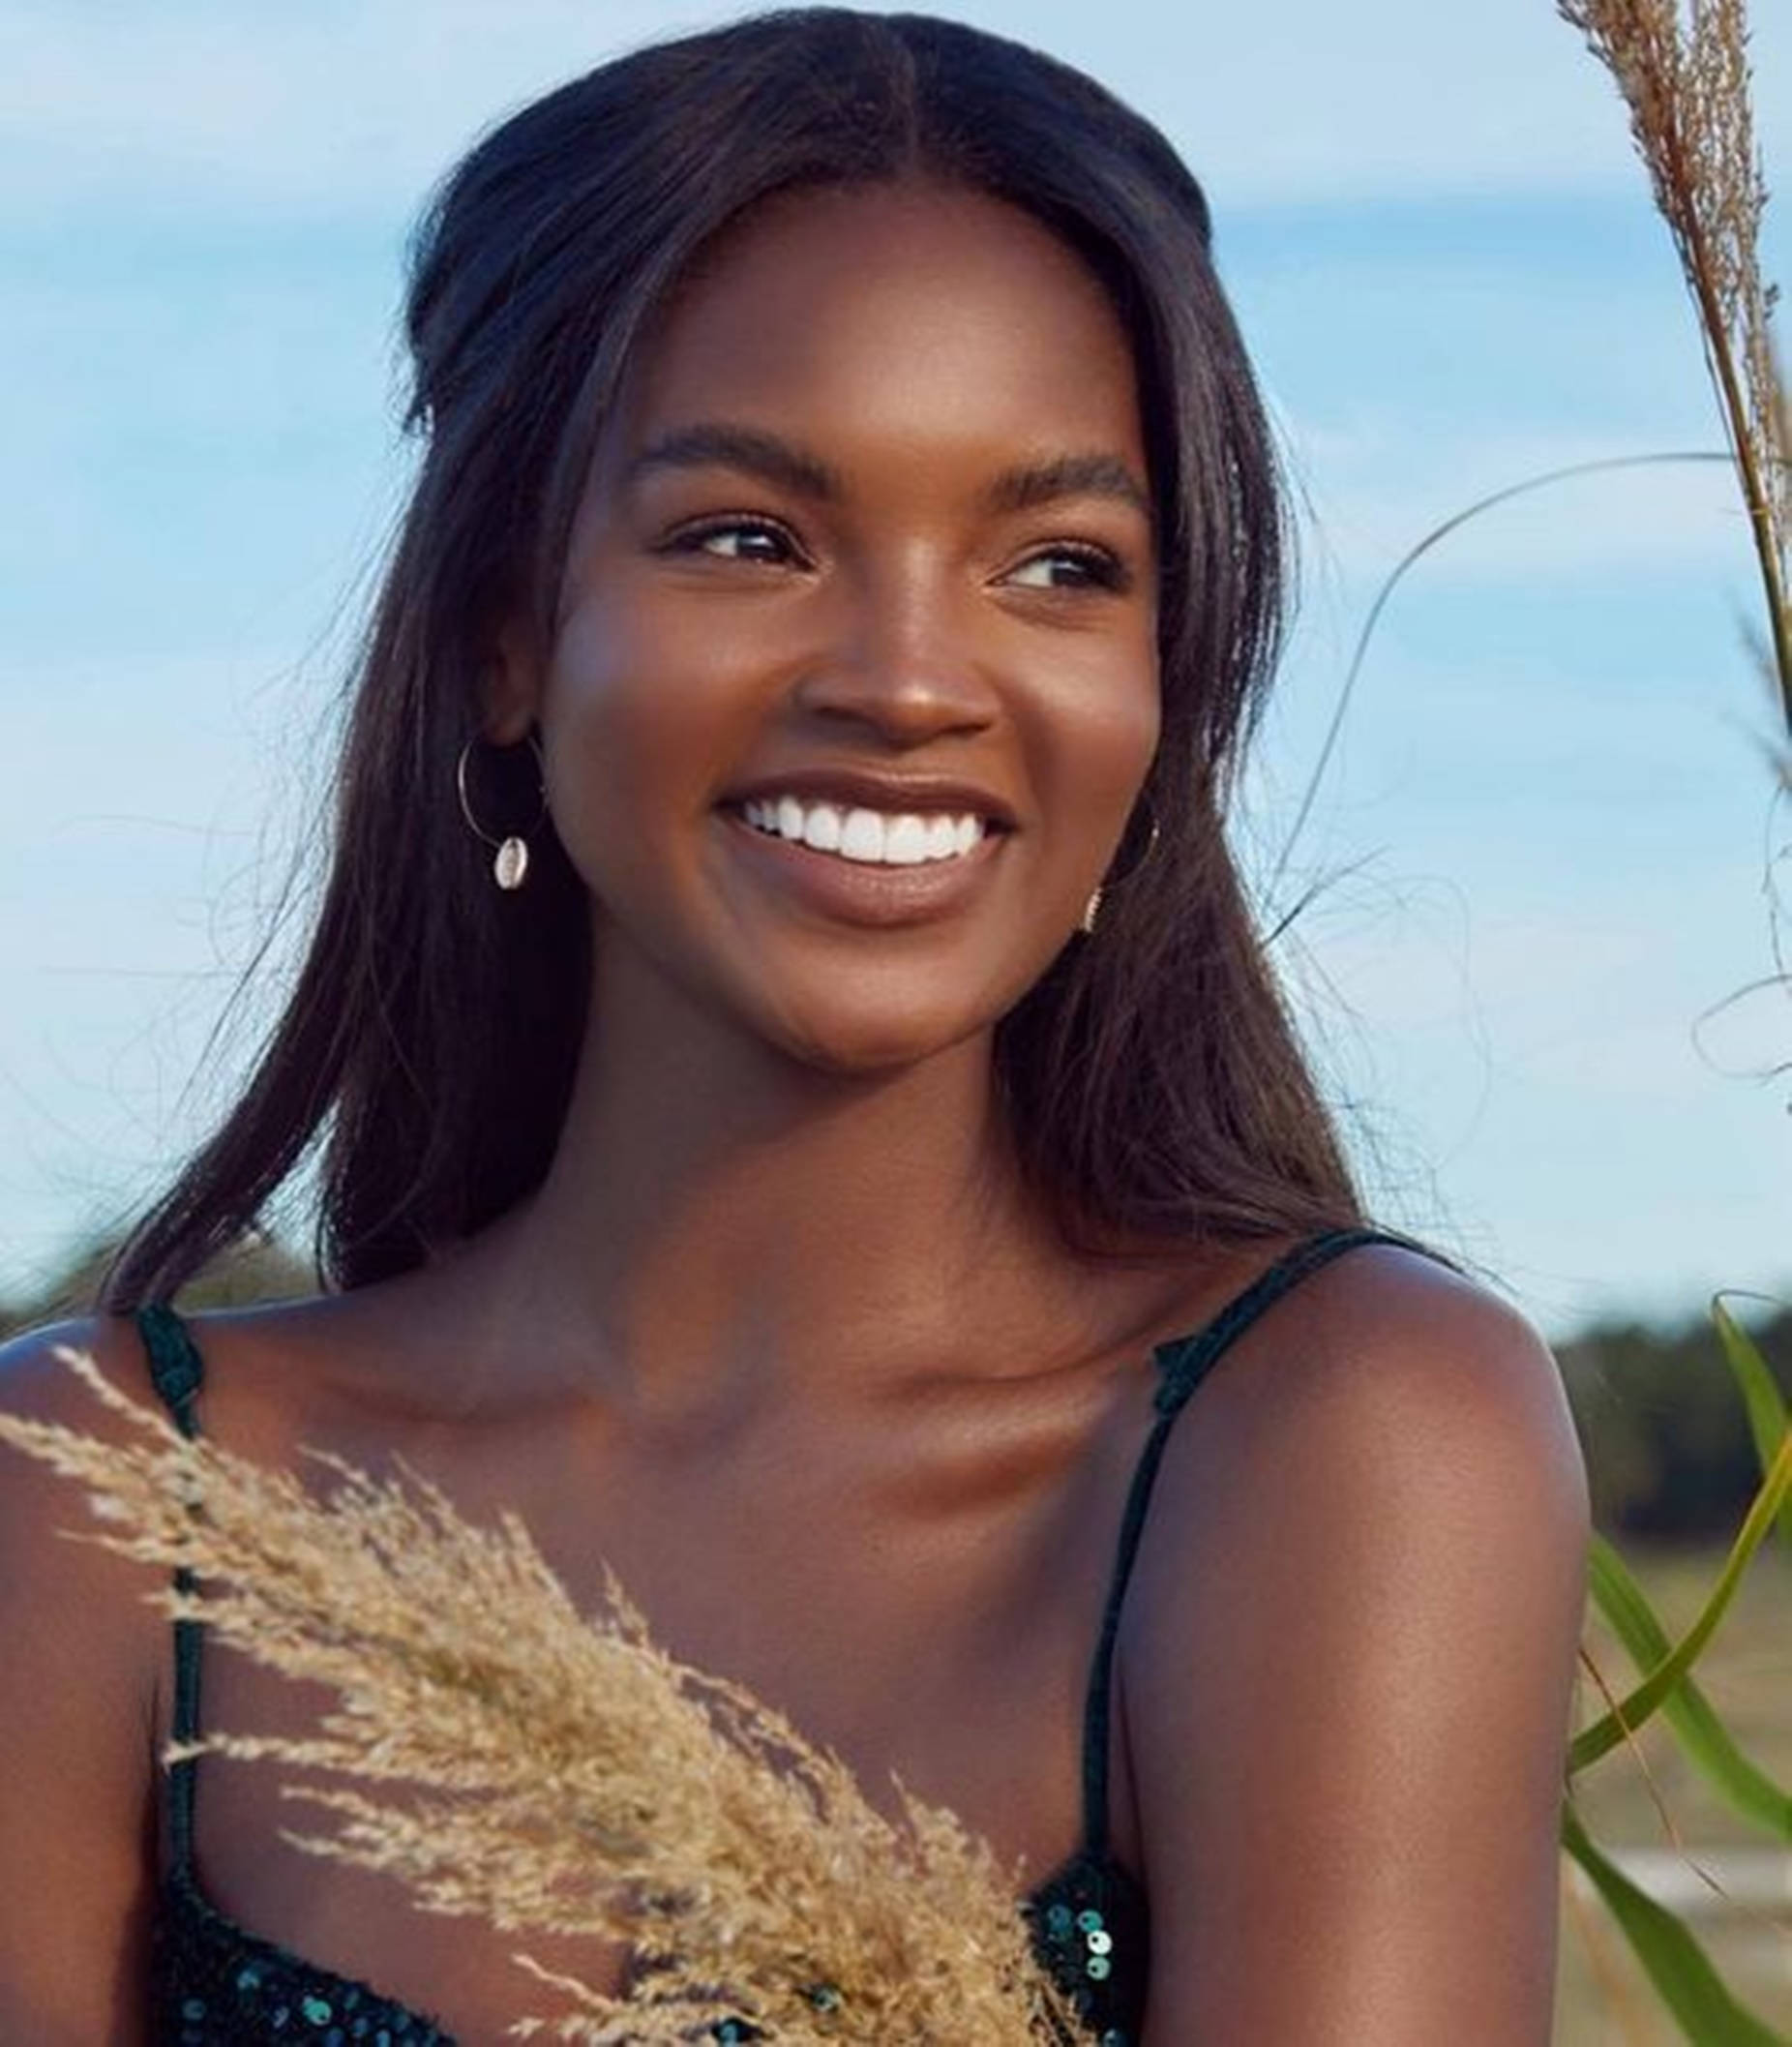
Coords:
pixel 1687 86
pixel 507 1757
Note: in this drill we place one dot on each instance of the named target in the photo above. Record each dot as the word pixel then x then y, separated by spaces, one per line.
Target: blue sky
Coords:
pixel 1544 840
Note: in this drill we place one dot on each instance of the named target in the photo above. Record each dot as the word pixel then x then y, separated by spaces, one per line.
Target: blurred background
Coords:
pixel 1538 941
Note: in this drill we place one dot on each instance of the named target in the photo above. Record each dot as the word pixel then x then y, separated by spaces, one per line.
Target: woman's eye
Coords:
pixel 1070 568
pixel 736 540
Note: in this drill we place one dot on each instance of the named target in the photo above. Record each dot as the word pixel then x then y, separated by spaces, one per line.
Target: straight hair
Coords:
pixel 1155 1089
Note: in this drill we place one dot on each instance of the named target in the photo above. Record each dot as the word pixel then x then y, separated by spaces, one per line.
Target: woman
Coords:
pixel 815 1165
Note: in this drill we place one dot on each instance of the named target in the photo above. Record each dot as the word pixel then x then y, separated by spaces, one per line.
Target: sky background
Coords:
pixel 1541 853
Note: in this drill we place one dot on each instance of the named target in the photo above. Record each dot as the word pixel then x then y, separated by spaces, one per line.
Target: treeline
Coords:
pixel 258 1269
pixel 1670 1456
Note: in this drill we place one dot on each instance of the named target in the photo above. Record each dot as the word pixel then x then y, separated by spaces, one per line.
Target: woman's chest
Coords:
pixel 923 1608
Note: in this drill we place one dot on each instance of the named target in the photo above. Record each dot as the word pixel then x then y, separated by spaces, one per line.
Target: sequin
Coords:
pixel 219 1986
pixel 1092 1932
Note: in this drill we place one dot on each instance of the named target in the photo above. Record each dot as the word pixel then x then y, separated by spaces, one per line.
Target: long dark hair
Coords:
pixel 1154 1085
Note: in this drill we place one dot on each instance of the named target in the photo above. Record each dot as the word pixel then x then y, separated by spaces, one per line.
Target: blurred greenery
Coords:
pixel 1671 1822
pixel 1670 1457
pixel 257 1269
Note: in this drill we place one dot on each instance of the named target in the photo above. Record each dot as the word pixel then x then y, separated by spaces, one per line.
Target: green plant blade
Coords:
pixel 1604 1734
pixel 1708 1743
pixel 1676 1964
pixel 1762 1397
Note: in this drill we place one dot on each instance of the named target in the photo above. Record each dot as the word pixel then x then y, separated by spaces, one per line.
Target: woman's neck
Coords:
pixel 723 1224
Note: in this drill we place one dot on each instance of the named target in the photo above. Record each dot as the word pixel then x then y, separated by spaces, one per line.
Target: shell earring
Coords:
pixel 510 863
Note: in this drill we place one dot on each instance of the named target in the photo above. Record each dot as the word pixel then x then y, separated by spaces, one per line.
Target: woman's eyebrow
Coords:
pixel 712 444
pixel 1096 476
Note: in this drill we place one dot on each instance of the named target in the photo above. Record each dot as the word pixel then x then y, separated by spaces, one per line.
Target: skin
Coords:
pixel 783 1275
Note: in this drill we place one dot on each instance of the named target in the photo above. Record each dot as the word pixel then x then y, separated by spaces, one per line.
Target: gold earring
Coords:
pixel 510 864
pixel 1092 909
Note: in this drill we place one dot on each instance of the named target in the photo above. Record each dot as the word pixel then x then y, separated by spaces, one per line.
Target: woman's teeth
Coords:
pixel 868 835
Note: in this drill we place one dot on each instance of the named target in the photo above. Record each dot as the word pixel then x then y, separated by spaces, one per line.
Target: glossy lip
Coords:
pixel 858 892
pixel 894 795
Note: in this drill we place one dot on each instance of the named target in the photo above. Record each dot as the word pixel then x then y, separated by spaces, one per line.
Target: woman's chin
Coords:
pixel 861 1046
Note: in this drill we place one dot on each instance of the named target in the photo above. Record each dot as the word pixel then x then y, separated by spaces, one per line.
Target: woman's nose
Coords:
pixel 906 661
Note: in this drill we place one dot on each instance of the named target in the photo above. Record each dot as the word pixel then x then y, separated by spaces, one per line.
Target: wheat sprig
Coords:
pixel 1687 86
pixel 507 1757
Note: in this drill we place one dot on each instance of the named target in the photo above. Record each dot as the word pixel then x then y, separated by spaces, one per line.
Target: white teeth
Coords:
pixel 822 828
pixel 905 841
pixel 862 837
pixel 873 837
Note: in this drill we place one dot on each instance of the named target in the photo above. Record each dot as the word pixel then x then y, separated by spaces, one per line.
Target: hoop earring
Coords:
pixel 511 863
pixel 1092 909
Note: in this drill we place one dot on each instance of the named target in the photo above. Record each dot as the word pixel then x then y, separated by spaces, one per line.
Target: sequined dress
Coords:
pixel 218 1984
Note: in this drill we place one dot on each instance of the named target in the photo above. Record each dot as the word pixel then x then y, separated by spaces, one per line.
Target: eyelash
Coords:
pixel 1097 568
pixel 694 539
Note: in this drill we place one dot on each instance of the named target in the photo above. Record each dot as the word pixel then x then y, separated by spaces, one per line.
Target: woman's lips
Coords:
pixel 858 892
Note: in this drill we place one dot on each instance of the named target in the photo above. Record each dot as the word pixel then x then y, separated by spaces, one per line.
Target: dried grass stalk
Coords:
pixel 1687 89
pixel 506 1757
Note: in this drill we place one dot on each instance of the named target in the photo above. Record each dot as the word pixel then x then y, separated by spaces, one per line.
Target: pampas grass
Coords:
pixel 504 1755
pixel 1686 86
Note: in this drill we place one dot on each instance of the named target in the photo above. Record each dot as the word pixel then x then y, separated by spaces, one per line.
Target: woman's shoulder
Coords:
pixel 1347 1314
pixel 1351 1645
pixel 39 1386
pixel 1391 1441
pixel 81 1686
pixel 1385 1368
pixel 36 1380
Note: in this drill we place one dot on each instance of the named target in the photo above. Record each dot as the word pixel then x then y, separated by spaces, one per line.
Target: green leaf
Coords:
pixel 1761 1395
pixel 1676 1964
pixel 1604 1735
pixel 1707 1741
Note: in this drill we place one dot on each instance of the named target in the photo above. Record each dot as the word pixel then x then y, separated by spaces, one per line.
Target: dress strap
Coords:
pixel 1182 1363
pixel 177 1371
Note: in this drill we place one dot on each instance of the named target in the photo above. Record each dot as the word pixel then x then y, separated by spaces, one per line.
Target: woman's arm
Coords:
pixel 1349 1675
pixel 83 1654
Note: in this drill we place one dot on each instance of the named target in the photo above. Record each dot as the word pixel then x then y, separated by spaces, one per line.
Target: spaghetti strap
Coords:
pixel 177 1371
pixel 1183 1364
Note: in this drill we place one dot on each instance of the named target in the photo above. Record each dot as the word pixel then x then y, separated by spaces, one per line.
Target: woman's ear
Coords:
pixel 512 688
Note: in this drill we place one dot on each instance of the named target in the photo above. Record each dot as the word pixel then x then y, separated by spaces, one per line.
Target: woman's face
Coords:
pixel 855 678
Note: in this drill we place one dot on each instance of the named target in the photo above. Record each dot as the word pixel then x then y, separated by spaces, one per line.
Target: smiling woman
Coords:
pixel 847 556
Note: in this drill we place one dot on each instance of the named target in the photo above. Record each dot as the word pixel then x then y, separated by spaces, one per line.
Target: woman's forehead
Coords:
pixel 891 311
